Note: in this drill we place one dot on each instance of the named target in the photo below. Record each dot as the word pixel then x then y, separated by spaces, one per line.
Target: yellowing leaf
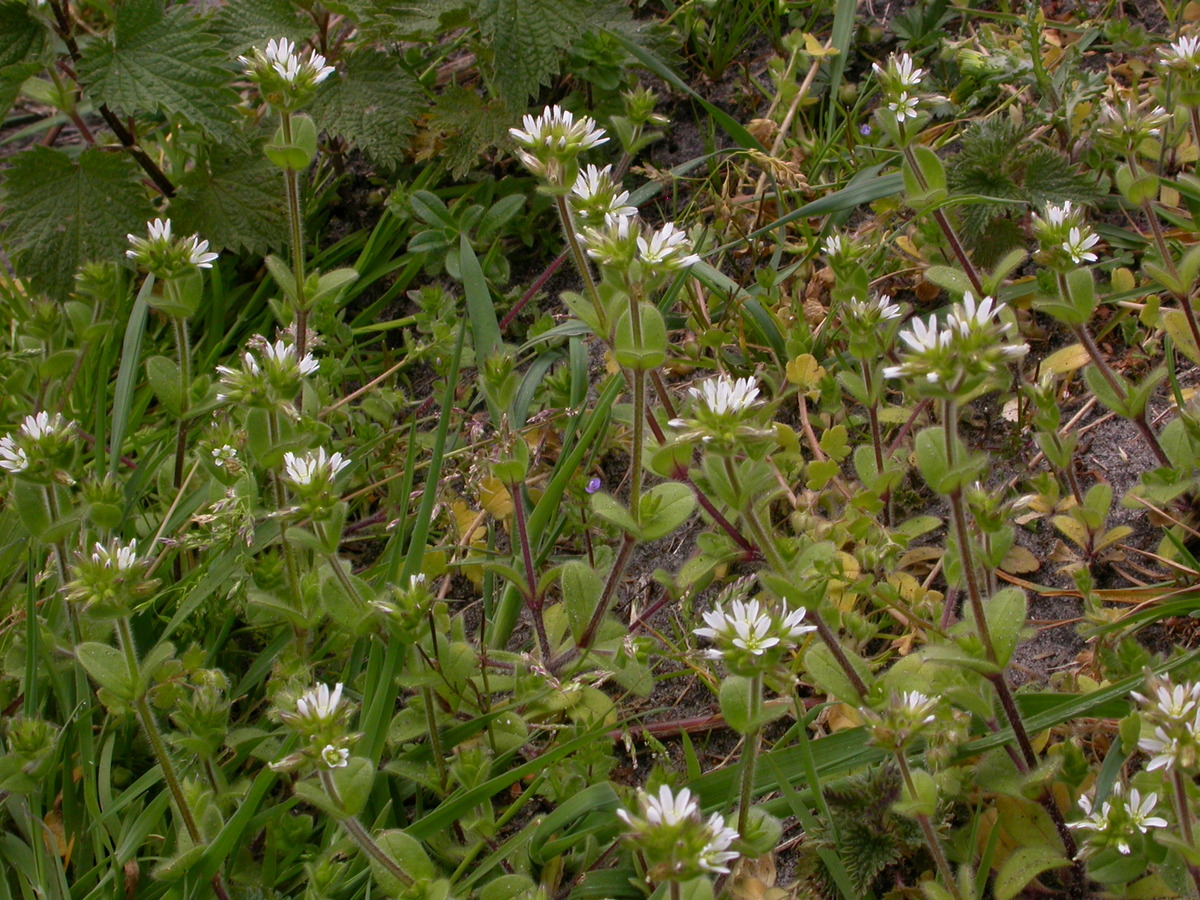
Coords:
pixel 1074 531
pixel 1019 561
pixel 1065 360
pixel 1175 324
pixel 813 47
pixel 804 372
pixel 1123 280
pixel 842 717
pixel 495 498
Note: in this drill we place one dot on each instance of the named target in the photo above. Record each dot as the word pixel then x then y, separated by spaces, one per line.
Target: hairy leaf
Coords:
pixel 235 201
pixel 528 37
pixel 243 24
pixel 62 213
pixel 22 37
pixel 161 60
pixel 462 126
pixel 372 105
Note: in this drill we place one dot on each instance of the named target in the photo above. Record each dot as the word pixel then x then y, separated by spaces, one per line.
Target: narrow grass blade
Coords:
pixel 127 374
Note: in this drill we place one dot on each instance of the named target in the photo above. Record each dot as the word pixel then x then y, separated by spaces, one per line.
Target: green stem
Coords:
pixel 931 838
pixel 289 558
pixel 750 754
pixel 145 717
pixel 581 263
pixel 1184 816
pixel 636 473
pixel 435 737
pixel 956 245
pixel 291 180
pixel 360 835
pixel 183 346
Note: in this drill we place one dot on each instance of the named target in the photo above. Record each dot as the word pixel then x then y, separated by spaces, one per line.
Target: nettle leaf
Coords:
pixel 244 24
pixel 62 213
pixel 528 37
pixel 462 126
pixel 22 37
pixel 233 200
pixel 372 105
pixel 165 61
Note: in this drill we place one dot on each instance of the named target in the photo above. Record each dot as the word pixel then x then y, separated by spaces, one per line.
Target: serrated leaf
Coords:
pixel 528 37
pixel 22 37
pixel 461 126
pixel 11 79
pixel 233 200
pixel 161 60
pixel 372 106
pixel 243 24
pixel 62 213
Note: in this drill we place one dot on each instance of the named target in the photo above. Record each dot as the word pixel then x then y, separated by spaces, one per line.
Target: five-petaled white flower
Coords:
pixel 335 757
pixel 557 127
pixel 283 355
pixel 675 839
pixel 281 57
pixel 880 309
pixel 12 457
pixel 119 557
pixel 1117 818
pixel 1171 701
pixel 224 455
pixel 900 71
pixel 595 192
pixel 667 247
pixel 1183 53
pixel 904 106
pixel 166 257
pixel 1078 243
pixel 716 852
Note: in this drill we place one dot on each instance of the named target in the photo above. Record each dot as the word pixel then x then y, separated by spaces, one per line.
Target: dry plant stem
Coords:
pixel 947 229
pixel 360 836
pixel 532 598
pixel 291 181
pixel 65 27
pixel 750 755
pixel 931 838
pixel 145 717
pixel 771 553
pixel 674 890
pixel 581 263
pixel 1184 815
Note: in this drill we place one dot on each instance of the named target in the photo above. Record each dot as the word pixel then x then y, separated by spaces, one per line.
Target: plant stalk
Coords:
pixel 939 216
pixel 183 346
pixel 750 754
pixel 291 180
pixel 931 838
pixel 581 263
pixel 361 836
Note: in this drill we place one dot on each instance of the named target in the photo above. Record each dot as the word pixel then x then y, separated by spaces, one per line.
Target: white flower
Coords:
pixel 224 455
pixel 1162 748
pixel 283 355
pixel 1176 702
pixel 159 231
pixel 1183 53
pixel 919 707
pixel 750 628
pixel 881 309
pixel 320 705
pixel 716 852
pixel 668 809
pixel 197 252
pixel 1078 243
pixel 1116 819
pixel 12 457
pixel 335 757
pixel 972 316
pixel 1057 216
pixel 725 396
pixel 43 425
pixel 667 247
pixel 281 57
pixel 117 557
pixel 904 106
pixel 833 246
pixel 313 467
pixel 923 337
pixel 900 71
pixel 556 127
pixel 595 191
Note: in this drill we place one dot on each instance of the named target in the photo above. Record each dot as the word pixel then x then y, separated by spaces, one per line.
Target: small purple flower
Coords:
pixel 594 485
pixel 864 130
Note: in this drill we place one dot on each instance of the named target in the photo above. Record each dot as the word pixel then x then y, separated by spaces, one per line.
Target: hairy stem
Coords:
pixel 931 838
pixel 291 179
pixel 532 597
pixel 581 263
pixel 939 216
pixel 750 754
pixel 361 836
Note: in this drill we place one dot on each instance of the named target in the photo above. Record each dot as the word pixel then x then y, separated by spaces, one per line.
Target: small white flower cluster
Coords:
pixel 722 405
pixel 901 82
pixel 1173 712
pixel 905 716
pixel 549 145
pixel 961 354
pixel 1117 819
pixel 41 437
pixel 286 79
pixel 871 314
pixel 108 581
pixel 750 638
pixel 1126 125
pixel 166 257
pixel 1063 236
pixel 1183 55
pixel 319 717
pixel 313 470
pixel 119 557
pixel 270 375
pixel 675 839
